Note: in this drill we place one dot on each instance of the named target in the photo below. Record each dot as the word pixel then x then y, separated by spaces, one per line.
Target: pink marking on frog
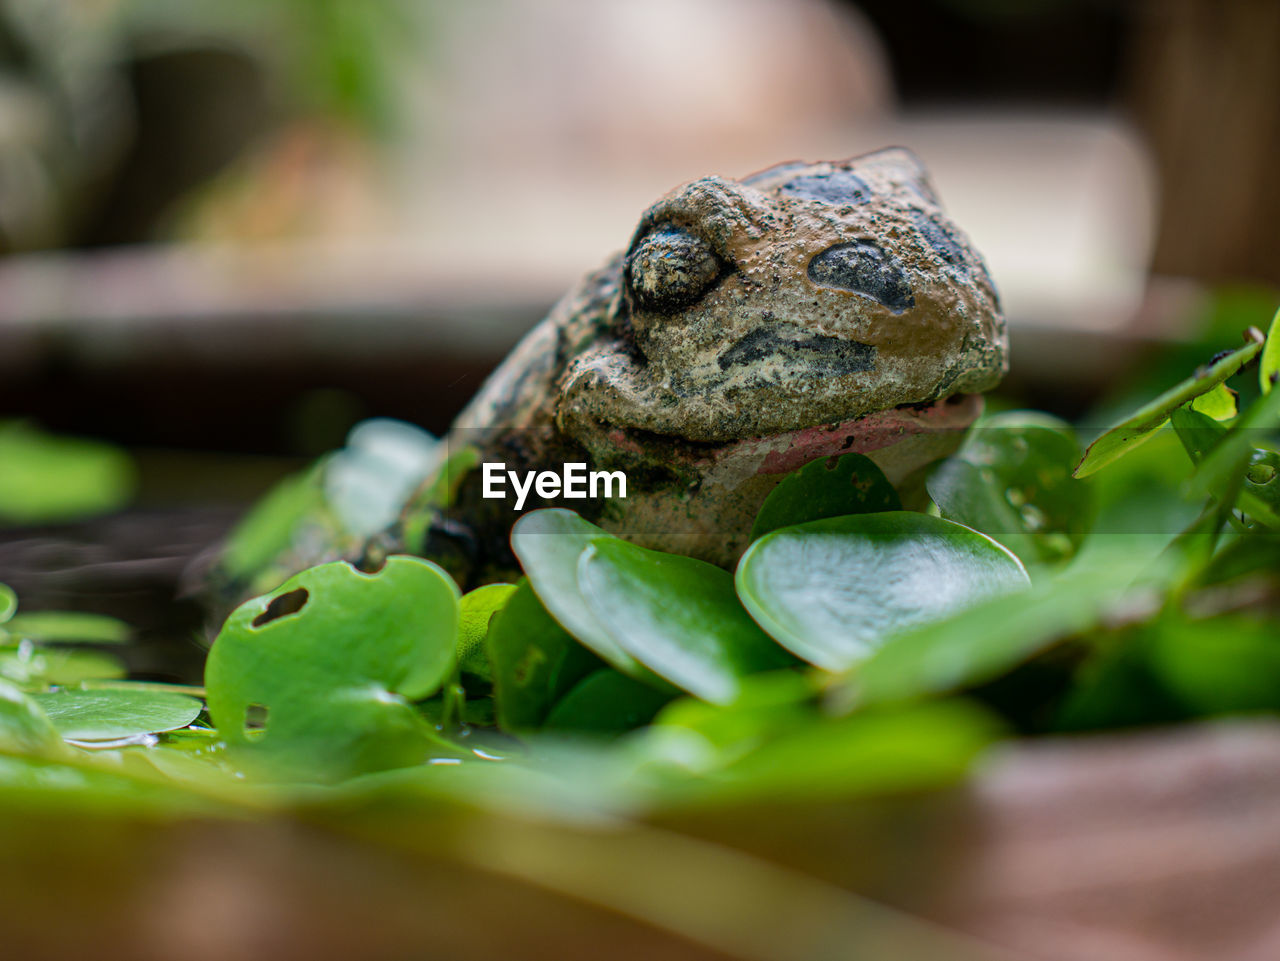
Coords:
pixel 787 452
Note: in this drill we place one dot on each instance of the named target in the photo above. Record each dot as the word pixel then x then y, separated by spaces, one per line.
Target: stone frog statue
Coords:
pixel 749 328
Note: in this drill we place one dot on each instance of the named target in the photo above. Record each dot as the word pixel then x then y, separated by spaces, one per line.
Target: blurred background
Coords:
pixel 231 230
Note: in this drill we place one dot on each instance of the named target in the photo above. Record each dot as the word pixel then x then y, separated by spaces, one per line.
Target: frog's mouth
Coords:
pixel 941 423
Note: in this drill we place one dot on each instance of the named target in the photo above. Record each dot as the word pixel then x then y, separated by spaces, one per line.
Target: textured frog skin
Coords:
pixel 750 327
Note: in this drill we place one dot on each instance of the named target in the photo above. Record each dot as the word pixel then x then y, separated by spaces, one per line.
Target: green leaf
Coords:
pixel 435 495
pixel 549 544
pixel 1256 488
pixel 1117 687
pixel 268 530
pixel 39 667
pixel 8 603
pixel 767 706
pixel 1221 403
pixel 1223 665
pixel 535 661
pixel 69 626
pixel 1143 493
pixel 334 655
pixel 850 484
pixel 606 703
pixel 1012 480
pixel 1138 426
pixel 1269 368
pixel 367 482
pixel 49 479
pixel 24 728
pixel 678 616
pixel 1198 432
pixel 911 749
pixel 1255 555
pixel 103 715
pixel 832 590
pixel 475 612
pixel 1233 453
pixel 988 639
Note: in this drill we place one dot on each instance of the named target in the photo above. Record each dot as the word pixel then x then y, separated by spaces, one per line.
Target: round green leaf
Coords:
pixel 832 590
pixel 69 626
pixel 37 667
pixel 8 602
pixel 367 482
pixel 49 479
pixel 849 484
pixel 606 702
pixel 535 661
pixel 678 616
pixel 549 543
pixel 24 728
pixel 1013 481
pixel 332 655
pixel 475 612
pixel 104 714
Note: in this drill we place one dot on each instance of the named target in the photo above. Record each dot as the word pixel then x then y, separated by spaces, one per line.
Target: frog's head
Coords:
pixel 805 295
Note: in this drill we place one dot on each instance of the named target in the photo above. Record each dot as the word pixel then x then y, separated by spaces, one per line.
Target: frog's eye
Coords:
pixel 670 268
pixel 863 268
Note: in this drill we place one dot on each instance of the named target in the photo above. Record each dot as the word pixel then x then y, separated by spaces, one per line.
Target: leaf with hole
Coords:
pixel 334 656
pixel 833 590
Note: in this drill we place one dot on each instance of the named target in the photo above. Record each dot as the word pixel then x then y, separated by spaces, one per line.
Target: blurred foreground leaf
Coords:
pixel 48 479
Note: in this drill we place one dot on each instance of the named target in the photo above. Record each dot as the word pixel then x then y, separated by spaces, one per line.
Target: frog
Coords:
pixel 749 327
